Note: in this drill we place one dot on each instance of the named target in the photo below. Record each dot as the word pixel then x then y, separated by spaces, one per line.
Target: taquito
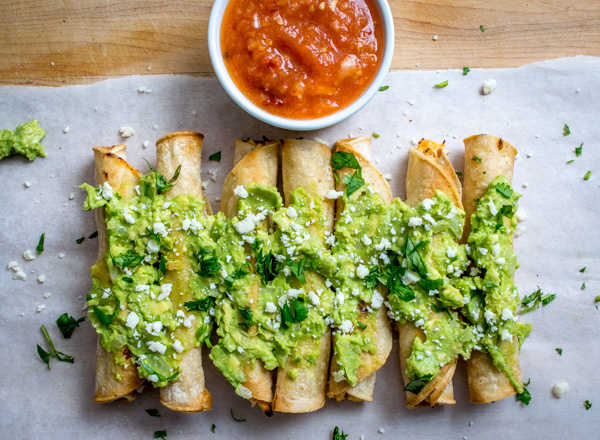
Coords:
pixel 376 322
pixel 113 380
pixel 429 170
pixel 182 150
pixel 306 164
pixel 486 158
pixel 258 166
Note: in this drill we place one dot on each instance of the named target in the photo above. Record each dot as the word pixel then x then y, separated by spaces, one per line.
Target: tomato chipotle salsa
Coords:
pixel 302 59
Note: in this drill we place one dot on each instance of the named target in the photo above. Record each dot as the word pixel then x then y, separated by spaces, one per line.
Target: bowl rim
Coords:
pixel 214 49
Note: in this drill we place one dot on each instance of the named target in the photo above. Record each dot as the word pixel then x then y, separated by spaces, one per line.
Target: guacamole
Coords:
pixel 273 280
pixel 25 140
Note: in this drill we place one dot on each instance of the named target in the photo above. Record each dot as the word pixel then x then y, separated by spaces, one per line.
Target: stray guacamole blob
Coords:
pixel 272 280
pixel 25 140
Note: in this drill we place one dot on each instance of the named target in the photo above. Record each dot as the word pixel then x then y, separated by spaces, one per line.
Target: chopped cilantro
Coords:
pixel 298 268
pixel 79 240
pixel 127 279
pixel 416 385
pixel 481 28
pixel 361 325
pixel 127 259
pixel 153 412
pixel 504 189
pixel 236 275
pixel 376 135
pixel 246 318
pixel 202 305
pixel 103 317
pixel 587 404
pixel 53 353
pixel 533 301
pixel 40 247
pixel 236 419
pixel 67 324
pixel 382 88
pixel 566 130
pixel 161 182
pixel 93 235
pixel 342 159
pixel 353 182
pixel 441 85
pixel 559 351
pixel 212 428
pixel 338 435
pixel 476 159
pixel 588 175
pixel 583 269
pixel 209 266
pixel 162 265
pixel 160 434
pixel 413 259
pixel 458 173
pixel 215 157
pixel 570 161
pixel 583 286
pixel 466 70
pixel 525 396
pixel 371 279
pixel 579 150
pixel 597 299
pixel 266 266
pixel 296 312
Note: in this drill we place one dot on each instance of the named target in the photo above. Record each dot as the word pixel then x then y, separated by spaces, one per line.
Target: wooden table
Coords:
pixel 60 42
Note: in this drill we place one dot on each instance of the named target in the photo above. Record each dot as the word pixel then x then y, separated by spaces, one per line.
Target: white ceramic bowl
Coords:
pixel 216 58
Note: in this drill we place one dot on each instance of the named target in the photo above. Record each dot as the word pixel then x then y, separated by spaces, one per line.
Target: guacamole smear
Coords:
pixel 274 280
pixel 25 140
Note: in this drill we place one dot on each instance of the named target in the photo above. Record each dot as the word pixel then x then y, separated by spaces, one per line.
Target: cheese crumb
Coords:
pixel 126 132
pixel 27 184
pixel 40 308
pixel 270 307
pixel 28 255
pixel 333 194
pixel 488 86
pixel 41 279
pixel 240 191
pixel 146 144
pixel 362 271
pixel 132 320
pixel 560 389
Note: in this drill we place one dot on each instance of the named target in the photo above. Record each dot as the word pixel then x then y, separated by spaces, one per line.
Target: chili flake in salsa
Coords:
pixel 302 59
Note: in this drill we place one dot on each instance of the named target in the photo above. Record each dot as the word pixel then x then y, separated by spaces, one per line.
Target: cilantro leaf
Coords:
pixel 127 259
pixel 525 396
pixel 559 351
pixel 582 270
pixel 153 412
pixel 247 321
pixel 341 159
pixel 416 385
pixel 266 266
pixel 209 266
pixel 441 85
pixel 67 324
pixel 481 28
pixel 53 353
pixel 212 428
pixel 588 175
pixel 597 299
pixel 127 279
pixel 579 150
pixel 215 157
pixel 236 275
pixel 534 300
pixel 338 435
pixel 466 70
pixel 353 182
pixel 361 325
pixel 382 88
pixel 376 135
pixel 547 299
pixel 103 317
pixel 93 235
pixel 431 284
pixel 413 259
pixel 583 286
pixel 40 247
pixel 79 240
pixel 504 189
pixel 161 182
pixel 160 434
pixel 202 305
pixel 236 419
pixel 162 265
pixel 298 268
pixel 476 159
pixel 458 173
pixel 371 279
pixel 566 130
pixel 587 404
pixel 296 312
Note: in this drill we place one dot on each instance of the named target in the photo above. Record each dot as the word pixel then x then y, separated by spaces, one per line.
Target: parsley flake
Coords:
pixel 441 85
pixel 153 412
pixel 597 299
pixel 566 130
pixel 466 70
pixel 40 247
pixel 382 88
pixel 525 396
pixel 67 324
pixel 215 157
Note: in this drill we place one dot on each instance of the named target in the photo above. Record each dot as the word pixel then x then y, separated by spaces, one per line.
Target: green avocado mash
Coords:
pixel 273 280
pixel 25 140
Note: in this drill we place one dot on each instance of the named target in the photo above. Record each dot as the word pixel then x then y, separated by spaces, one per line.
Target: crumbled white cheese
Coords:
pixel 270 307
pixel 489 86
pixel 107 191
pixel 40 308
pixel 519 230
pixel 177 346
pixel 126 132
pixel 505 335
pixel 240 191
pixel 291 212
pixel 132 320
pixel 128 218
pixel 560 389
pixel 151 247
pixel 333 194
pixel 410 277
pixel 338 376
pixel 376 300
pixel 146 144
pixel 493 209
pixel 507 314
pixel 314 298
pixel 165 291
pixel 27 184
pixel 362 271
pixel 157 347
pixel 28 255
pixel 415 221
pixel 47 295
pixel 520 215
pixel 366 240
pixel 159 229
pixel 142 288
pixel 66 129
pixel 154 328
pixel 42 279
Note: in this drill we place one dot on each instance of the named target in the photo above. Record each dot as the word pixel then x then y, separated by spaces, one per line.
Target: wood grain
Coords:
pixel 60 42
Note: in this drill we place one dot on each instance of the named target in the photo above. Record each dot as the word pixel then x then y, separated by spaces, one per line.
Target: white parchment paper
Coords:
pixel 529 108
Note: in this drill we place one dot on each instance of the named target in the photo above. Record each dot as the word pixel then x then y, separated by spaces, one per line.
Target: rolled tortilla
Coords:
pixel 486 382
pixel 259 165
pixel 381 333
pixel 111 167
pixel 307 164
pixel 188 393
pixel 429 170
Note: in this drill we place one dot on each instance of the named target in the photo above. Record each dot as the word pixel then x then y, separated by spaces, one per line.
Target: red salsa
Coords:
pixel 302 59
